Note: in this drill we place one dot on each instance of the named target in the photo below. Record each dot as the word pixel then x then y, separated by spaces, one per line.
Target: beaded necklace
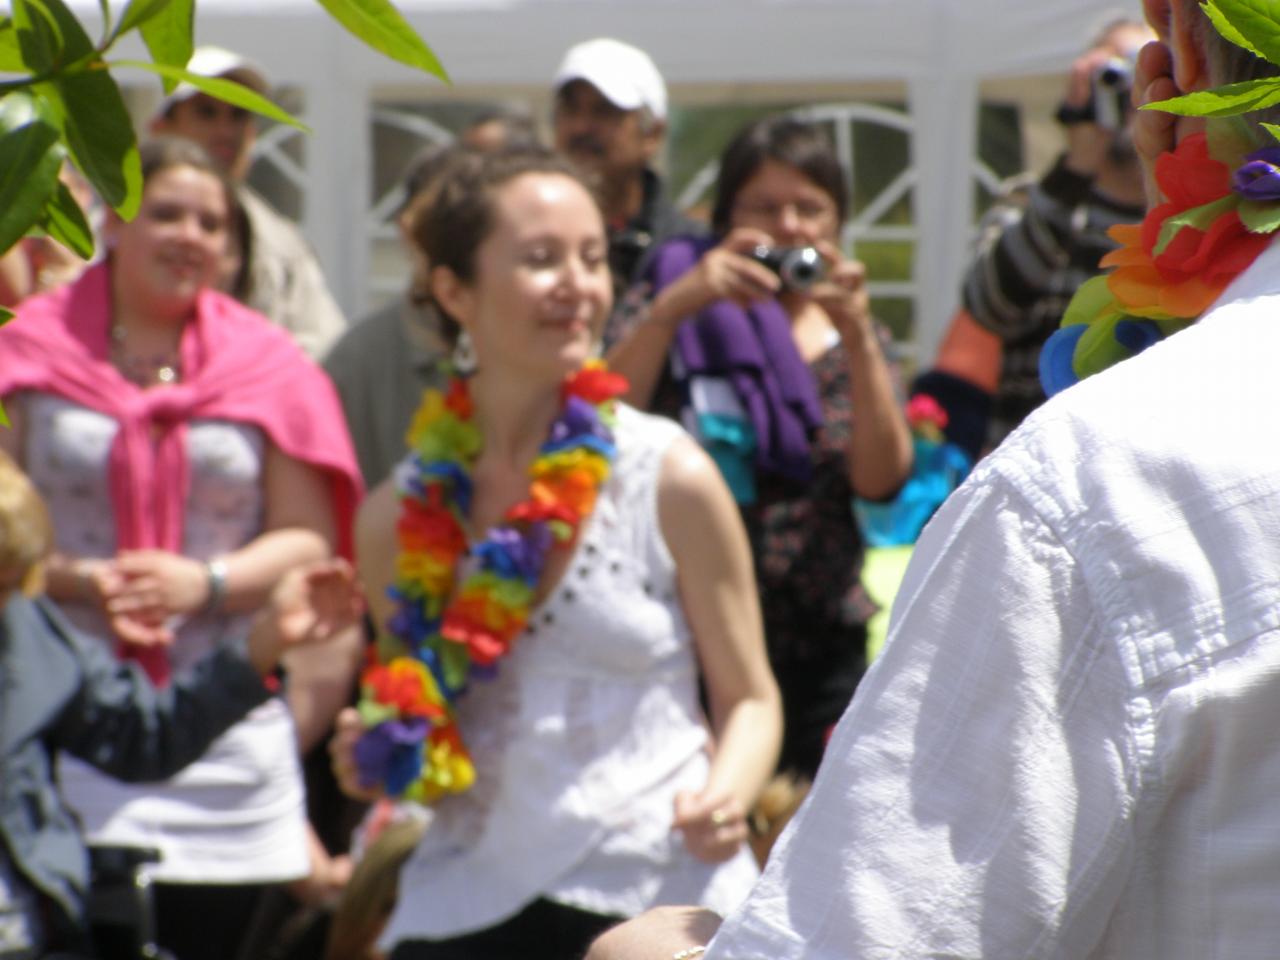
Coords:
pixel 439 638
pixel 1170 268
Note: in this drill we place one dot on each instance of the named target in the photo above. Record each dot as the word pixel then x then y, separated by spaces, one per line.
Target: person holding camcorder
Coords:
pixel 761 341
pixel 1038 245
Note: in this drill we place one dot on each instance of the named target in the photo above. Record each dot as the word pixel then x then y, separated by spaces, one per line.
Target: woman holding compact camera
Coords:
pixel 780 374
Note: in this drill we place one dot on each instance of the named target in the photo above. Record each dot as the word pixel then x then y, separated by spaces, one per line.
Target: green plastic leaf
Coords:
pixel 228 90
pixel 379 24
pixel 30 159
pixel 1198 218
pixel 137 13
pixel 65 222
pixel 168 36
pixel 1260 217
pixel 1098 347
pixel 1224 27
pixel 1256 22
pixel 99 132
pixel 1224 101
pixel 11 60
pixel 1091 298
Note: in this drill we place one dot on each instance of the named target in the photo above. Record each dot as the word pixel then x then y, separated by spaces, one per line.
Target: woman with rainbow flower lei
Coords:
pixel 557 568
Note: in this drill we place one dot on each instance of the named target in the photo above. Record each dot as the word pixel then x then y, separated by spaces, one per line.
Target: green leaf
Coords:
pixel 379 24
pixel 1256 22
pixel 5 317
pixel 168 36
pixel 40 41
pixel 228 90
pixel 137 13
pixel 11 60
pixel 99 132
pixel 1224 27
pixel 1260 217
pixel 1198 218
pixel 1272 129
pixel 1230 139
pixel 65 222
pixel 30 159
pixel 1224 101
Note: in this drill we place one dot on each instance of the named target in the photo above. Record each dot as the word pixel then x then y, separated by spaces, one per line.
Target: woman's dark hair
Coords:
pixel 785 139
pixel 458 215
pixel 452 227
pixel 165 151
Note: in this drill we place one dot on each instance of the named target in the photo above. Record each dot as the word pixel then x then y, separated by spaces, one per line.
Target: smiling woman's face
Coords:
pixel 174 247
pixel 541 289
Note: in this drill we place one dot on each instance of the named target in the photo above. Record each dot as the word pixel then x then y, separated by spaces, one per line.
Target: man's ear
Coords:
pixel 1176 23
pixel 653 138
pixel 1157 14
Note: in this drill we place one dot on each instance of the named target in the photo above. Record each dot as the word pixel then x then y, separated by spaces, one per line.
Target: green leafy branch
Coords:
pixel 59 100
pixel 1255 26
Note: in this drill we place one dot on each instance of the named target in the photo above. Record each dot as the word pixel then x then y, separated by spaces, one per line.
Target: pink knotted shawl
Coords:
pixel 236 366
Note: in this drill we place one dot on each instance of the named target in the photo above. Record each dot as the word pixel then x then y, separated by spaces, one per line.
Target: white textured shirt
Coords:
pixel 1071 744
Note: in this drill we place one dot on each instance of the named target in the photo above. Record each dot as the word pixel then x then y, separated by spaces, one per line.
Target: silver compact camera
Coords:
pixel 799 268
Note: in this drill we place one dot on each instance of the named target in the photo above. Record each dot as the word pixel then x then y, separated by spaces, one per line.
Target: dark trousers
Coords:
pixel 541 931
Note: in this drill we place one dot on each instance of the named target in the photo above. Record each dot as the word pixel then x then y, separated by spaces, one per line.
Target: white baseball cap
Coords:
pixel 211 61
pixel 623 74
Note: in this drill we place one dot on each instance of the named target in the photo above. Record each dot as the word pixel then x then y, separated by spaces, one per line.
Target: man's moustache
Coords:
pixel 585 145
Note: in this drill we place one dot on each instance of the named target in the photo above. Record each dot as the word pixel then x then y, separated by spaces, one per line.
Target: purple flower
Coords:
pixel 391 754
pixel 511 553
pixel 1259 177
pixel 578 418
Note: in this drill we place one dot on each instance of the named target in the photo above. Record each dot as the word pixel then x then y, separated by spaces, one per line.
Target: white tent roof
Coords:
pixel 940 49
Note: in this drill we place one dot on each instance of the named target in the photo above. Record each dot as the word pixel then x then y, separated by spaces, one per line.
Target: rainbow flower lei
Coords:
pixel 1173 266
pixel 439 639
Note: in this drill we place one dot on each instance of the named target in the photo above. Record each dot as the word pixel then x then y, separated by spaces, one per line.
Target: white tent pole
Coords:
pixel 338 161
pixel 945 109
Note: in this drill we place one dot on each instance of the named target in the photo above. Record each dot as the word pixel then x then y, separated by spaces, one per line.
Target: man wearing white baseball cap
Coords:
pixel 610 117
pixel 278 274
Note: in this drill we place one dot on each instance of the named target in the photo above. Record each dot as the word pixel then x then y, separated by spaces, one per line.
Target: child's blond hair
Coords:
pixel 26 535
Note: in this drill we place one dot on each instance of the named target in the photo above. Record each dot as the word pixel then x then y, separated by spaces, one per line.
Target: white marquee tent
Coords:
pixel 940 53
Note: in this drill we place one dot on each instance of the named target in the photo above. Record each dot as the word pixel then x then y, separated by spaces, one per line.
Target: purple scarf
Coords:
pixel 753 350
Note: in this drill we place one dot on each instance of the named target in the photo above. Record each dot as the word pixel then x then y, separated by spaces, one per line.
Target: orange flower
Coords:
pixel 1195 266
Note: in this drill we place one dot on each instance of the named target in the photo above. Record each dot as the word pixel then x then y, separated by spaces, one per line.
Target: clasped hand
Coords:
pixel 141 590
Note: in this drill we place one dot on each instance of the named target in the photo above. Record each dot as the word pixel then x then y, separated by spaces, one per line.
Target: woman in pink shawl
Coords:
pixel 190 455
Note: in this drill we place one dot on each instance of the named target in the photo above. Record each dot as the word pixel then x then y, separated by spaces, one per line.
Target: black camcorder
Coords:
pixel 799 268
pixel 1111 85
pixel 1109 97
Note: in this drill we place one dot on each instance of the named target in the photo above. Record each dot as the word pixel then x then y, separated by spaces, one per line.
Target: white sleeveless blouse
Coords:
pixel 237 813
pixel 582 741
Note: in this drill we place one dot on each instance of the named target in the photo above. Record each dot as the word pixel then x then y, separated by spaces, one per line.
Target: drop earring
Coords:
pixel 464 355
